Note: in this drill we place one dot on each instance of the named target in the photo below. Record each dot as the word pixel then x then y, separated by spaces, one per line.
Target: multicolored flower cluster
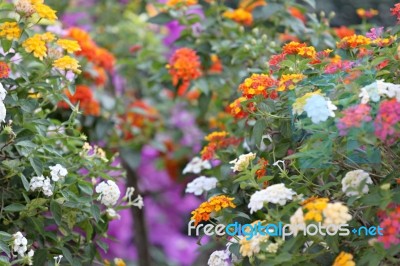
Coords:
pixel 353 117
pixel 391 227
pixel 217 140
pixel 214 204
pixel 258 84
pixel 387 121
pixel 354 41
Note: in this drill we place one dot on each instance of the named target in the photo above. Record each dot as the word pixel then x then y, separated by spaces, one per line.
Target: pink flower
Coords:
pixel 388 116
pixel 353 117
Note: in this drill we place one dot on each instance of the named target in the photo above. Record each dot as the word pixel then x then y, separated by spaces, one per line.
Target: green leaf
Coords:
pixel 67 254
pixel 6 44
pixel 160 19
pixel 5 248
pixel 40 257
pixel 56 211
pixel 24 182
pixel 37 165
pixel 15 207
pixel 258 131
pixel 94 209
pixel 85 187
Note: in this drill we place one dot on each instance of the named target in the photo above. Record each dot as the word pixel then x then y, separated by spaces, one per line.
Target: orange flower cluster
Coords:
pixel 382 42
pixel 396 11
pixel 344 31
pixel 344 259
pixel 214 204
pixel 217 140
pixel 258 84
pixel 370 13
pixel 354 41
pixel 101 58
pixel 288 81
pixel 184 66
pixel 292 47
pixel 84 96
pixel 240 15
pixel 4 70
pixel 139 113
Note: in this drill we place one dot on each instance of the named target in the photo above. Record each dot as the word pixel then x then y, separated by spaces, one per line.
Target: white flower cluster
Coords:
pixel 277 194
pixel 109 193
pixel 241 163
pixel 356 183
pixel 336 213
pixel 41 183
pixel 3 110
pixel 57 172
pixel 219 258
pixel 196 165
pixel 319 108
pixel 201 184
pixel 375 90
pixel 19 246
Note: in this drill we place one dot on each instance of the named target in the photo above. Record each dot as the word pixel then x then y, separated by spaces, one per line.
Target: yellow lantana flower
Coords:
pixel 67 63
pixel 10 30
pixel 36 45
pixel 344 259
pixel 70 46
pixel 48 37
pixel 44 11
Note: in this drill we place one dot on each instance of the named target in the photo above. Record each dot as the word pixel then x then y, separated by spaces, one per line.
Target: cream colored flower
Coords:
pixel 242 162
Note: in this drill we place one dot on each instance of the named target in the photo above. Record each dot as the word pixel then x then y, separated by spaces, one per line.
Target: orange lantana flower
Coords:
pixel 214 204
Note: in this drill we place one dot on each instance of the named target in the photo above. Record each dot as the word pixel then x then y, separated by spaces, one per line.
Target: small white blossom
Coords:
pixel 319 109
pixel 196 165
pixel 41 183
pixel 20 244
pixel 272 248
pixel 242 162
pixel 112 214
pixel 28 258
pixel 352 181
pixel 201 184
pixel 219 258
pixel 277 194
pixel 109 193
pixel 138 202
pixel 57 259
pixel 58 172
